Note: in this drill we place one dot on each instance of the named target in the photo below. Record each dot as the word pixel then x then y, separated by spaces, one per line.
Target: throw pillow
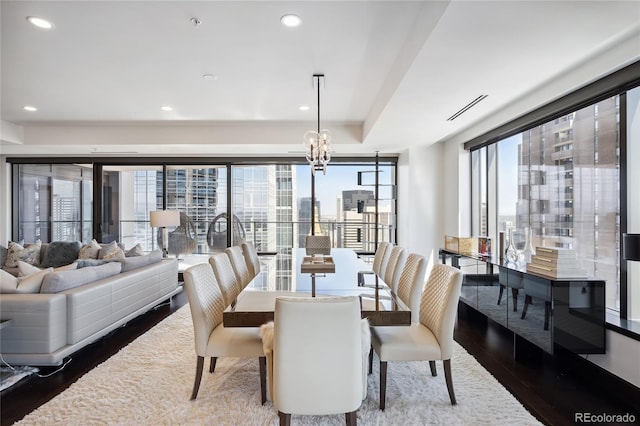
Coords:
pixel 107 248
pixel 25 269
pixel 61 253
pixel 134 251
pixel 89 251
pixel 8 283
pixel 116 254
pixel 29 253
pixel 84 263
pixel 69 267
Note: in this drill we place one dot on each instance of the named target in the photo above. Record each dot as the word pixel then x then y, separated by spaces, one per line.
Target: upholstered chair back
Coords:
pixel 317 355
pixel 397 258
pixel 411 282
pixel 318 244
pixel 223 271
pixel 251 258
pixel 439 305
pixel 382 253
pixel 205 301
pixel 239 265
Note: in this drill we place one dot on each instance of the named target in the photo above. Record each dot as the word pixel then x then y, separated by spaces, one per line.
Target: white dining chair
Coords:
pixel 324 375
pixel 381 257
pixel 212 339
pixel 317 244
pixel 392 271
pixel 251 257
pixel 411 283
pixel 226 277
pixel 239 265
pixel 430 339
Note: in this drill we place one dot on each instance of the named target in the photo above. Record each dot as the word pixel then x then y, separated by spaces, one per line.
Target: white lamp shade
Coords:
pixel 160 218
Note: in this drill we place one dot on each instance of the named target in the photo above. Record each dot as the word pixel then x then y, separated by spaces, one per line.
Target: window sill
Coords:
pixel 629 328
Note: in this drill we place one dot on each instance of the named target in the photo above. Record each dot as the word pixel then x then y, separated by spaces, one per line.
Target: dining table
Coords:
pixel 295 274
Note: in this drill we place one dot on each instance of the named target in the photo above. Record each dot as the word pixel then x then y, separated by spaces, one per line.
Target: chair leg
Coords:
pixel 447 377
pixel 432 366
pixel 500 294
pixel 351 418
pixel 212 365
pixel 371 360
pixel 196 384
pixel 527 301
pixel 547 312
pixel 285 419
pixel 383 383
pixel 263 379
pixel 514 295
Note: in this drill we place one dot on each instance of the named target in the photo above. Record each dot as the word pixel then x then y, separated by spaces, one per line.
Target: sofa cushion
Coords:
pixel 130 263
pixel 61 253
pixel 30 253
pixel 90 250
pixel 27 284
pixel 56 282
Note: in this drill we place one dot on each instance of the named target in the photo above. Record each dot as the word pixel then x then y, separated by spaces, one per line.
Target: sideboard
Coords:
pixel 565 312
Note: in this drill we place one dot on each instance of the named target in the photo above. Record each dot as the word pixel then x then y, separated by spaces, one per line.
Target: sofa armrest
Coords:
pixel 39 323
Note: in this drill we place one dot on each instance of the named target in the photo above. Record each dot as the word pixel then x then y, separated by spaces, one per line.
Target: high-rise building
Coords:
pixel 567 185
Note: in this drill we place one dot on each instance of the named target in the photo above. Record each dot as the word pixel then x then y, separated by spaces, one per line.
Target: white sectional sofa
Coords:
pixel 47 327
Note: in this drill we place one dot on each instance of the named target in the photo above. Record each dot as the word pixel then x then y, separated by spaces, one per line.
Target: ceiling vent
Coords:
pixel 467 107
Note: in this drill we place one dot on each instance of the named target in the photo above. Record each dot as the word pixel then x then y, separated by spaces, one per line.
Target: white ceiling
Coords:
pixel 395 71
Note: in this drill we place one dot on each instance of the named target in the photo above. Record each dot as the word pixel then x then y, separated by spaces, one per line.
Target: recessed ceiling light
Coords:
pixel 210 77
pixel 166 108
pixel 304 108
pixel 30 108
pixel 39 22
pixel 291 21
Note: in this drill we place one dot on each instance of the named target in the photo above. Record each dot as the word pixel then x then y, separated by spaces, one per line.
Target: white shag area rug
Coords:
pixel 149 382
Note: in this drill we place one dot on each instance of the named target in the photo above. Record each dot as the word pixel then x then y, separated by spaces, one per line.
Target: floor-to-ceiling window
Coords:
pixel 269 204
pixel 54 202
pixel 561 177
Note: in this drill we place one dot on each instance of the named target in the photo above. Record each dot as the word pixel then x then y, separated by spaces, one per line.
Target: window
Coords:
pixel 55 202
pixel 562 179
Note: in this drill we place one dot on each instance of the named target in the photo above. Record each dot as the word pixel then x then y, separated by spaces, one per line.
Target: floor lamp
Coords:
pixel 163 219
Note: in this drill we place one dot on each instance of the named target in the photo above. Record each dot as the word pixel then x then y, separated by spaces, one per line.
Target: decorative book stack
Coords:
pixel 552 262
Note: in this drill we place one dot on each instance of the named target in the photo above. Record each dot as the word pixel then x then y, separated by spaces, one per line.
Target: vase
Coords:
pixel 528 250
pixel 511 253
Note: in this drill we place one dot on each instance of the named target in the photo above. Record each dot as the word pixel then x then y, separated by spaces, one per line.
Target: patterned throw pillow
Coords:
pixel 90 251
pixel 29 254
pixel 111 252
pixel 134 251
pixel 107 248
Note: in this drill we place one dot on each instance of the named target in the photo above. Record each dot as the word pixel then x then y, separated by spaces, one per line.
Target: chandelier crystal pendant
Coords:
pixel 317 143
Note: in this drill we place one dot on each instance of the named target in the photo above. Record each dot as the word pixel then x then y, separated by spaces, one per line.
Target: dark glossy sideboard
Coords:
pixel 546 312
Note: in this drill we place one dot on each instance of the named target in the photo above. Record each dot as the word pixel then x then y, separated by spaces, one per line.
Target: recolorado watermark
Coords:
pixel 603 418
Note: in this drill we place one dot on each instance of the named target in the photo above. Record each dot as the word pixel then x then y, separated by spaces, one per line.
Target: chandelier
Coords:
pixel 317 143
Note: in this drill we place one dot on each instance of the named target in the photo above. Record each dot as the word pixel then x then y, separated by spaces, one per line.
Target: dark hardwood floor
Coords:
pixel 552 388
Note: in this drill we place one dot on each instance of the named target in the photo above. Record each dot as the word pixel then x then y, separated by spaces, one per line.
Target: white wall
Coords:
pixel 420 199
